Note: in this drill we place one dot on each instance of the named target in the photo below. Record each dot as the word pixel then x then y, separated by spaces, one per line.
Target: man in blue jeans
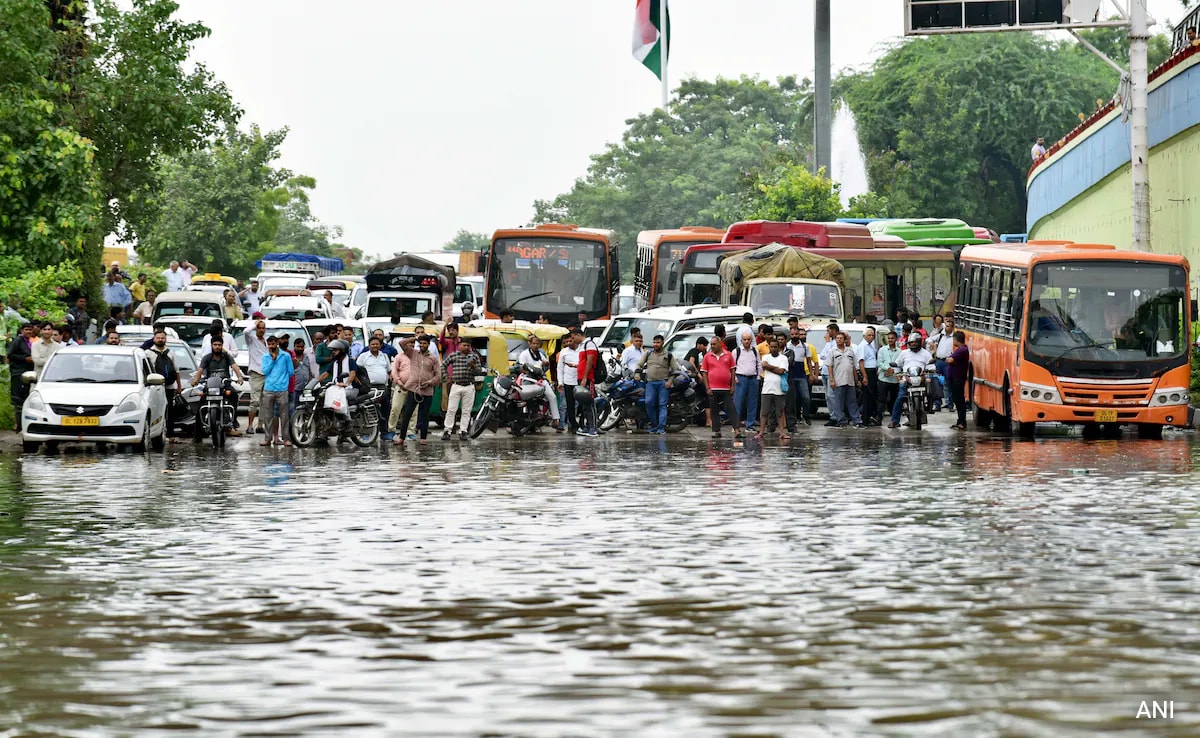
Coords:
pixel 656 365
pixel 748 368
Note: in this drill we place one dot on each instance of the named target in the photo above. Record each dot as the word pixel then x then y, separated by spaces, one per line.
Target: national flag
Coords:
pixel 648 38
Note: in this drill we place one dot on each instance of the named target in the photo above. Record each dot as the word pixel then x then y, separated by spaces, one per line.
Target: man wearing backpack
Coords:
pixel 748 367
pixel 164 363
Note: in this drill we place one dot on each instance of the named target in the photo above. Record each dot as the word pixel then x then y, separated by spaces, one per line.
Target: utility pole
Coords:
pixel 1139 133
pixel 823 91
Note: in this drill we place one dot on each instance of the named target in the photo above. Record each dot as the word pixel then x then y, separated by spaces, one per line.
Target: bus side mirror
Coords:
pixel 673 277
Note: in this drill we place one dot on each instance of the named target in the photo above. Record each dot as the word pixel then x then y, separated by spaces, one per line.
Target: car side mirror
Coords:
pixel 28 377
pixel 155 380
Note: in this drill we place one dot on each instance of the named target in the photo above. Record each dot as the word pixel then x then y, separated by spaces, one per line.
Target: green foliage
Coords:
pixel 466 240
pixel 38 295
pixel 671 170
pixel 1114 43
pixel 947 122
pixel 224 206
pixel 49 200
pixel 787 191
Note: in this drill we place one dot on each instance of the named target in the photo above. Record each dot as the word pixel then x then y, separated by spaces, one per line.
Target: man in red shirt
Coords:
pixel 716 369
pixel 589 355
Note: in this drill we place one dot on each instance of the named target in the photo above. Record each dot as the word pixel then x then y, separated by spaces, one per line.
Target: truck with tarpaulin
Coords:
pixel 295 263
pixel 778 279
pixel 406 287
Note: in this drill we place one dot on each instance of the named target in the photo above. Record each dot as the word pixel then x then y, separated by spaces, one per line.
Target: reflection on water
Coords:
pixel 859 585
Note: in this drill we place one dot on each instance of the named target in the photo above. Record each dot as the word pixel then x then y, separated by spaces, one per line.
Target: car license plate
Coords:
pixel 1106 416
pixel 84 420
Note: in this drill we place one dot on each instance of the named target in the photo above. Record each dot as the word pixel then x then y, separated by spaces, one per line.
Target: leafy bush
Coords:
pixel 38 295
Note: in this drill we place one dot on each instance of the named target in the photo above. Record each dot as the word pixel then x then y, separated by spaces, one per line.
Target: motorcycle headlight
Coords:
pixel 35 403
pixel 131 404
pixel 914 381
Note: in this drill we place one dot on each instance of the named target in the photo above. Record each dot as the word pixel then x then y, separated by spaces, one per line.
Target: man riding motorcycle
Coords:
pixel 915 355
pixel 218 362
pixel 343 370
pixel 534 358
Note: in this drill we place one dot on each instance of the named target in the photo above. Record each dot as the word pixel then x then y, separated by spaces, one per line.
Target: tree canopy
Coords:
pixel 947 122
pixel 671 169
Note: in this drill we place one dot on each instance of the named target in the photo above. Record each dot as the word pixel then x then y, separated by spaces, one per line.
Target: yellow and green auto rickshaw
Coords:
pixel 493 350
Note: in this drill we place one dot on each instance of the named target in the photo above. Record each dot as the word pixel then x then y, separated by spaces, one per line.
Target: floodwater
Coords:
pixel 851 584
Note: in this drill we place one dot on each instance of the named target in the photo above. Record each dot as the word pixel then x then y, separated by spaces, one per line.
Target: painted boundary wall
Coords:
pixel 1082 191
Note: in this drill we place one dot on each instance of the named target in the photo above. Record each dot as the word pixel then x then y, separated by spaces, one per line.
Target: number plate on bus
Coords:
pixel 1106 416
pixel 85 420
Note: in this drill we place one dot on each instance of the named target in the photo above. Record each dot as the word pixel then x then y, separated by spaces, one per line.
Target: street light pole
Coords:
pixel 823 90
pixel 1139 137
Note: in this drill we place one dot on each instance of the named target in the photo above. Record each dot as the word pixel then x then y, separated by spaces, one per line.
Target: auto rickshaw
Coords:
pixel 493 351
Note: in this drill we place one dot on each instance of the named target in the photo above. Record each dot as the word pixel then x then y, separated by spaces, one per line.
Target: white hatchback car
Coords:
pixel 102 394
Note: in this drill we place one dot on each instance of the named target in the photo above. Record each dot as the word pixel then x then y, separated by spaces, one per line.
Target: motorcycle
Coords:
pixel 915 407
pixel 627 401
pixel 213 408
pixel 314 422
pixel 516 401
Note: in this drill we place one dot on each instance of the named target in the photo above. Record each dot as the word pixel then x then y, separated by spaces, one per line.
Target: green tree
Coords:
pixel 670 170
pixel 1114 43
pixel 466 240
pixel 124 83
pixel 49 195
pixel 787 191
pixel 219 206
pixel 946 122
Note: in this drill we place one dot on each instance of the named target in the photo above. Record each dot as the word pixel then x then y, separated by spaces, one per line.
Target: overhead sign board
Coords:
pixel 929 17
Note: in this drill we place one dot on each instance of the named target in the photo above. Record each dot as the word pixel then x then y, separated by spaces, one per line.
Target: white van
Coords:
pixel 200 304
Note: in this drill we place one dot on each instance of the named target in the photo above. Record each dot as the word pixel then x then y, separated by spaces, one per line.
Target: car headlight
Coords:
pixel 35 403
pixel 1040 393
pixel 1169 396
pixel 131 404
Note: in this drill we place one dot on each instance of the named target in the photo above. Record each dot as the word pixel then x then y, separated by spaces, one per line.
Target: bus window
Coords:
pixel 874 287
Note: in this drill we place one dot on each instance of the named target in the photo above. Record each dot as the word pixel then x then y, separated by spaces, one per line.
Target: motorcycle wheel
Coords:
pixel 363 437
pixel 303 428
pixel 918 415
pixel 481 421
pixel 215 429
pixel 675 427
pixel 611 419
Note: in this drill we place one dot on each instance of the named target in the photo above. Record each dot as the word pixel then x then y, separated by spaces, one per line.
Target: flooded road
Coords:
pixel 851 584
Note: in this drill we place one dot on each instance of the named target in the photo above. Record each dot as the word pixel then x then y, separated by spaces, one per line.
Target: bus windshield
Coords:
pixel 699 287
pixel 1107 311
pixel 548 275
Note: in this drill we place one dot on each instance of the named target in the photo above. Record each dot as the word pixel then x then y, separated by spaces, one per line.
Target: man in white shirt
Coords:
pixel 632 355
pixel 868 365
pixel 256 346
pixel 177 278
pixel 941 349
pixel 568 375
pixel 913 356
pixel 251 297
pixel 335 309
pixel 532 357
pixel 775 367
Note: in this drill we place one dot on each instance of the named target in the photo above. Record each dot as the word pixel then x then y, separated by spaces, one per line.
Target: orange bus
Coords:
pixel 659 267
pixel 1075 333
pixel 554 269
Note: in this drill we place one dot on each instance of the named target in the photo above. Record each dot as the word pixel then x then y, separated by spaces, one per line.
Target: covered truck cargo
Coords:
pixel 776 260
pixel 411 273
pixel 321 266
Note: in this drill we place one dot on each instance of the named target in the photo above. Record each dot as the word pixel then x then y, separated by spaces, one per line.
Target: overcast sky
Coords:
pixel 418 119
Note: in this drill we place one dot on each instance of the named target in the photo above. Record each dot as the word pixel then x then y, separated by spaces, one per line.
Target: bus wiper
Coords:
pixel 530 297
pixel 1069 349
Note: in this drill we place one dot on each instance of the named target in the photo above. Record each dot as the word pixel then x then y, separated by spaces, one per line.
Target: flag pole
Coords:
pixel 662 47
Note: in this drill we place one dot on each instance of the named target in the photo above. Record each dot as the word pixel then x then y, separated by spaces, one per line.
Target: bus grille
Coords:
pixel 1106 394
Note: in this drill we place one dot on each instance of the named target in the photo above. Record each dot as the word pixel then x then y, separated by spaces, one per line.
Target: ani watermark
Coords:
pixel 1156 710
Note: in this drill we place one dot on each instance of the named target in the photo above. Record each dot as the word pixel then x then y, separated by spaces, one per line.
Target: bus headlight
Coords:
pixel 1169 396
pixel 1040 393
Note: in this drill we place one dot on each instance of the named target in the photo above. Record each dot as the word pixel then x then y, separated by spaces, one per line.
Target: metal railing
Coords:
pixel 1179 39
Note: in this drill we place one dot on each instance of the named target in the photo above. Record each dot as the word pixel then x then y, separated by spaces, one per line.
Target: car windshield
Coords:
pixel 185 361
pixel 815 300
pixel 286 313
pixel 199 309
pixel 191 333
pixel 620 328
pixel 273 283
pixel 816 337
pixel 1107 311
pixel 680 345
pixel 88 368
pixel 323 329
pixel 398 307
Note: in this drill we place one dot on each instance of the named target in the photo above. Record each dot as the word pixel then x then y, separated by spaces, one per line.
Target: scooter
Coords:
pixel 517 402
pixel 314 422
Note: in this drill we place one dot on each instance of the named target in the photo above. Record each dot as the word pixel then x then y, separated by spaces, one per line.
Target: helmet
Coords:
pixel 914 337
pixel 468 307
pixel 338 343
